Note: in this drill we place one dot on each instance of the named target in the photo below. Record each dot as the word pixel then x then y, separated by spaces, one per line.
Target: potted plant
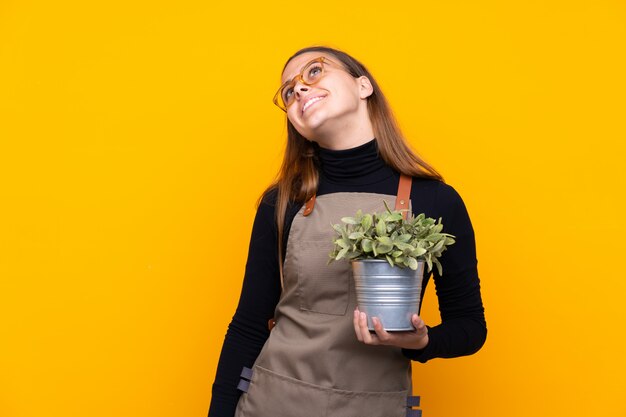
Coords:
pixel 388 254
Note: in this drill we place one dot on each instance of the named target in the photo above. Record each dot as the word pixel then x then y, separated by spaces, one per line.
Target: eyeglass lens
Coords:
pixel 310 75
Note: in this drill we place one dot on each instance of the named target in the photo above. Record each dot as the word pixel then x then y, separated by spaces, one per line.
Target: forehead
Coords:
pixel 294 66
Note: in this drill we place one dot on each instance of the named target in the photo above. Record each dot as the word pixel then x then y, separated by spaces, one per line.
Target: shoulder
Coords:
pixel 442 193
pixel 452 208
pixel 269 203
pixel 437 198
pixel 425 186
pixel 270 196
pixel 448 196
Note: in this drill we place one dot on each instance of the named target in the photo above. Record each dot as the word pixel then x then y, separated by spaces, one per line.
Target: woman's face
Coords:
pixel 342 102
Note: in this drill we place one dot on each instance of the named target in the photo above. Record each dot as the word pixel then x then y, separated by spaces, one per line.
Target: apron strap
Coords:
pixel 244 382
pixel 308 207
pixel 404 194
pixel 413 401
pixel 402 199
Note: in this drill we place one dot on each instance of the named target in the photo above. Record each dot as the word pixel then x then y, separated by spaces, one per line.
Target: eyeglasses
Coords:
pixel 312 72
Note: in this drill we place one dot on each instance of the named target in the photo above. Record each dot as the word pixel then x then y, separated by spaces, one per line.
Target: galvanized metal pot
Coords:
pixel 388 292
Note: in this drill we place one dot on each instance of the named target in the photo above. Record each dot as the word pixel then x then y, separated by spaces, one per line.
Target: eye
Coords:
pixel 287 93
pixel 314 71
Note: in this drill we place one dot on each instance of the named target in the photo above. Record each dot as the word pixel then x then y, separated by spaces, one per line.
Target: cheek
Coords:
pixel 293 117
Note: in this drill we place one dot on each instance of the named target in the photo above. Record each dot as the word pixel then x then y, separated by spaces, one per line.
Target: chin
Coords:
pixel 315 120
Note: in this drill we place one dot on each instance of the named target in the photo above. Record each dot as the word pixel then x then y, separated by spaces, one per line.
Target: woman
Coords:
pixel 317 358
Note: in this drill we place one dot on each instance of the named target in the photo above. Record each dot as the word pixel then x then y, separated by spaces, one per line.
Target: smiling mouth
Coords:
pixel 311 102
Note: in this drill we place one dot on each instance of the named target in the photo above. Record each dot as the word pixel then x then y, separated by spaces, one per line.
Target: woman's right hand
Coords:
pixel 414 339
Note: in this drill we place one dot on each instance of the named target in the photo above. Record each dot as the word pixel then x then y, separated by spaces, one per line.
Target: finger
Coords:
pixel 420 326
pixel 417 321
pixel 368 338
pixel 357 329
pixel 382 334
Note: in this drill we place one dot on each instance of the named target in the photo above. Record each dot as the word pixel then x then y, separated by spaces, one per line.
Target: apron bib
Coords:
pixel 312 364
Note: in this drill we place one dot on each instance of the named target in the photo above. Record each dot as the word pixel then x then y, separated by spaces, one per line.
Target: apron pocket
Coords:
pixel 367 404
pixel 322 288
pixel 274 395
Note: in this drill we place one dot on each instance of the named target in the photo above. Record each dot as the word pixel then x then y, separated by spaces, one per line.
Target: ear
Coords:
pixel 365 87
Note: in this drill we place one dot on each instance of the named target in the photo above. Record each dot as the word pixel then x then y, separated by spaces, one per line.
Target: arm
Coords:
pixel 463 329
pixel 248 330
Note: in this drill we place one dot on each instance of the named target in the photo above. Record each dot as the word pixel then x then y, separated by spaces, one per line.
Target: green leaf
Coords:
pixel 366 222
pixel 418 252
pixel 404 246
pixel 349 220
pixel 397 253
pixel 439 267
pixel 381 228
pixel 394 217
pixel 389 260
pixel 356 235
pixel 353 255
pixel 384 240
pixel 434 237
pixel 341 253
pixel 384 248
pixel 342 243
pixel 405 237
pixel 412 263
pixel 438 246
pixel 366 245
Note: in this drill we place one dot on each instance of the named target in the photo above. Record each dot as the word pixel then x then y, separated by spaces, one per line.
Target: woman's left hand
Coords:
pixel 415 339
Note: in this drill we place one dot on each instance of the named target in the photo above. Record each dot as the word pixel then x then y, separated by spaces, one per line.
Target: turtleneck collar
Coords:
pixel 355 166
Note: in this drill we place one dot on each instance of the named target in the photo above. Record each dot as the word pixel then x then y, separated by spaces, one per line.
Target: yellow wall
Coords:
pixel 136 137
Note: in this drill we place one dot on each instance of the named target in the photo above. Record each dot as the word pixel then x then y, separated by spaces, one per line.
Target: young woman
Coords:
pixel 316 357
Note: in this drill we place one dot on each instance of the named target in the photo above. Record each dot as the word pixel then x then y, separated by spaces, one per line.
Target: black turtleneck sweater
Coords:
pixel 361 169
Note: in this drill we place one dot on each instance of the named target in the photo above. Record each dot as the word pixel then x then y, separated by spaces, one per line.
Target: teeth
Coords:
pixel 308 103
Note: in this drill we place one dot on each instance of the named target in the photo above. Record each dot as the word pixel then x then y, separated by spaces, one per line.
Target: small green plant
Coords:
pixel 389 236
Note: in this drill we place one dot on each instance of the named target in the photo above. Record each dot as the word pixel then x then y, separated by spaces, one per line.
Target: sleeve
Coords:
pixel 463 329
pixel 247 332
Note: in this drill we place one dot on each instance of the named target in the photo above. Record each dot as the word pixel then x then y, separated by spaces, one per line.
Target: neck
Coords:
pixel 358 165
pixel 345 132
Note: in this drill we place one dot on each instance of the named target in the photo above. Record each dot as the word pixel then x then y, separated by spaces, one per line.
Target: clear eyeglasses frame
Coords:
pixel 283 98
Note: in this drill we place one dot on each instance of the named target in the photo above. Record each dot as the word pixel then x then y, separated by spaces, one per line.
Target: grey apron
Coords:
pixel 312 364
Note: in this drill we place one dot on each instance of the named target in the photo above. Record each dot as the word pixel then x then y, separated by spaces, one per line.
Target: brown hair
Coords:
pixel 297 179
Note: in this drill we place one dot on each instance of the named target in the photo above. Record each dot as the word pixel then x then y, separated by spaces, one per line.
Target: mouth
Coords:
pixel 311 102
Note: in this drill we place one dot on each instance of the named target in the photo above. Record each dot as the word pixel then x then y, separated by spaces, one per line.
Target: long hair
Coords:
pixel 298 177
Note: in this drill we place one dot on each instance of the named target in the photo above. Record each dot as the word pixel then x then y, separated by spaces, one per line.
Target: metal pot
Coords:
pixel 388 292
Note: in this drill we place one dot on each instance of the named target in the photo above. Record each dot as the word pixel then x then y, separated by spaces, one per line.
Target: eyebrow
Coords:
pixel 305 64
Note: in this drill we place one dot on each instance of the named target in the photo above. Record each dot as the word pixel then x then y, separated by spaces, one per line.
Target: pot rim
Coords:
pixel 378 260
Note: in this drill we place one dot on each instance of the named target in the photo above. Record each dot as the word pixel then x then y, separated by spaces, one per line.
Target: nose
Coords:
pixel 300 86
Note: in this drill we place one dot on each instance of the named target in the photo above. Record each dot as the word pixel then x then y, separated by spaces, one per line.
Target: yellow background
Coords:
pixel 135 138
